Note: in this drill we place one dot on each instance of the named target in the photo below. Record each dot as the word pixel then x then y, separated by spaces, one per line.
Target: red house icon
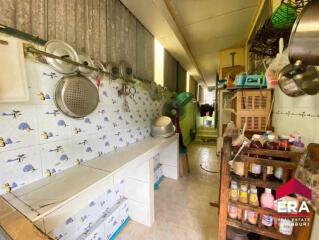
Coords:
pixel 291 187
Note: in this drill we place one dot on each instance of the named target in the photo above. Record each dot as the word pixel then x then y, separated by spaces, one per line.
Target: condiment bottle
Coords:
pixel 284 143
pixel 283 146
pixel 253 200
pixel 255 169
pixel 243 198
pixel 234 192
pixel 267 202
pixel 270 145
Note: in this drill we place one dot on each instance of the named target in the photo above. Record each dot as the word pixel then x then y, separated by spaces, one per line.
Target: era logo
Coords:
pixel 288 206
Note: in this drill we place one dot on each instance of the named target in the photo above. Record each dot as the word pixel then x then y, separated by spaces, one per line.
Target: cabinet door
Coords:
pixel 13 80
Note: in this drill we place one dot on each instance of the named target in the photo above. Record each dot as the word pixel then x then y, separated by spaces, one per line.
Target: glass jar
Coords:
pixel 269 144
pixel 283 146
pixel 255 169
pixel 232 211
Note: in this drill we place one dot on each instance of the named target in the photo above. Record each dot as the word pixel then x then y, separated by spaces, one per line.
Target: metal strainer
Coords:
pixel 76 96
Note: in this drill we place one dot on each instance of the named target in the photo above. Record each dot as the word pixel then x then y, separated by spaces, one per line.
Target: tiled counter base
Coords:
pixel 103 215
pixel 72 204
pixel 158 172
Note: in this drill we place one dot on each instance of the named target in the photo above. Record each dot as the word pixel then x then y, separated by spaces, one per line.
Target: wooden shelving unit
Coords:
pixel 288 166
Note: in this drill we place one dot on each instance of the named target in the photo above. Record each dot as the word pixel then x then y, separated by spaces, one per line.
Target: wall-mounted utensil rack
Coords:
pixel 21 35
pixel 33 50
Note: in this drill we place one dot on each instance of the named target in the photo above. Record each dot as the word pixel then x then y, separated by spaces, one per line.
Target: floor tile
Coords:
pixel 182 209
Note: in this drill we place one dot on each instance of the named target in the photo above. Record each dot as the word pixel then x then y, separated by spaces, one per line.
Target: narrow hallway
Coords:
pixel 182 208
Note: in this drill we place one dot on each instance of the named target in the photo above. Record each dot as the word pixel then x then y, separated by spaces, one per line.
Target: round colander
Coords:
pixel 76 96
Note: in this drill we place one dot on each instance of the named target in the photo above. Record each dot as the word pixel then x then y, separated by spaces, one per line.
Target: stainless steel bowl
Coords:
pixel 162 127
pixel 297 79
pixel 303 42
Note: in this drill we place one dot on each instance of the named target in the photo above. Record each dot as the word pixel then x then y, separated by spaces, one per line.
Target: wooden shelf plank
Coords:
pixel 253 208
pixel 262 231
pixel 256 182
pixel 273 153
pixel 262 161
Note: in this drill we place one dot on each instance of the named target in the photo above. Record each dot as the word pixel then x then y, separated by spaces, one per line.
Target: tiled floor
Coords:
pixel 182 208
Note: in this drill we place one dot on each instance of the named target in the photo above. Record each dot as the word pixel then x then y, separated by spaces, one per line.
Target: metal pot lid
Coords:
pixel 86 60
pixel 63 50
pixel 113 70
pixel 76 96
pixel 126 71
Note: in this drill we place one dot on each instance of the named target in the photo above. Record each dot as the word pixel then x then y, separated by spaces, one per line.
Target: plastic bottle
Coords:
pixel 243 198
pixel 267 202
pixel 255 169
pixel 253 200
pixel 234 192
pixel 270 145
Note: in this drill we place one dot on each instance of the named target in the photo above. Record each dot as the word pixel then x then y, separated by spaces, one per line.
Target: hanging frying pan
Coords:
pixel 76 96
pixel 63 50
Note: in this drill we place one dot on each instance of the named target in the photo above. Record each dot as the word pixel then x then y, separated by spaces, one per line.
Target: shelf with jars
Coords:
pixel 248 189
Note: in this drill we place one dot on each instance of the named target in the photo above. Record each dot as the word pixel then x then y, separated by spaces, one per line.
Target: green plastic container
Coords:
pixel 284 16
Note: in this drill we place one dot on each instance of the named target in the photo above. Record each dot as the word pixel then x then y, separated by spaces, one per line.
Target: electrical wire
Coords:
pixel 206 170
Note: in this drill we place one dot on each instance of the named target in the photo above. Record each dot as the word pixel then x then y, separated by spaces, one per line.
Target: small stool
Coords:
pixel 183 155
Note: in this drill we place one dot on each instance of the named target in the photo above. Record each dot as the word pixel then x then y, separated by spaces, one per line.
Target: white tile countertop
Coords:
pixel 113 161
pixel 42 197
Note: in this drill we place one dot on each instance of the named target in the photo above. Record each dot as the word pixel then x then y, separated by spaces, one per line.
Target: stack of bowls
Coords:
pixel 162 127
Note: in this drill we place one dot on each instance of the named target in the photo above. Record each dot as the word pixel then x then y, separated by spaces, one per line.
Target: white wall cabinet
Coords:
pixel 13 80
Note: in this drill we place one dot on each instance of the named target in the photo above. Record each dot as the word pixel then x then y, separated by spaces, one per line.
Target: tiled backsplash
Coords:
pixel 299 114
pixel 37 140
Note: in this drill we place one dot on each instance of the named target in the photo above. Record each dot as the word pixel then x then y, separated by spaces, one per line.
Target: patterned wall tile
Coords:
pixel 41 82
pixel 19 167
pixel 57 156
pixel 54 142
pixel 53 125
pixel 18 127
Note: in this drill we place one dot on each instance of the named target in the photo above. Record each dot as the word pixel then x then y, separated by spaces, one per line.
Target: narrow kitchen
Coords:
pixel 159 119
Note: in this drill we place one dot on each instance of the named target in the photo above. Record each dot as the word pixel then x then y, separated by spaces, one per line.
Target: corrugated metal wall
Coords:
pixel 181 79
pixel 170 72
pixel 104 29
pixel 192 86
